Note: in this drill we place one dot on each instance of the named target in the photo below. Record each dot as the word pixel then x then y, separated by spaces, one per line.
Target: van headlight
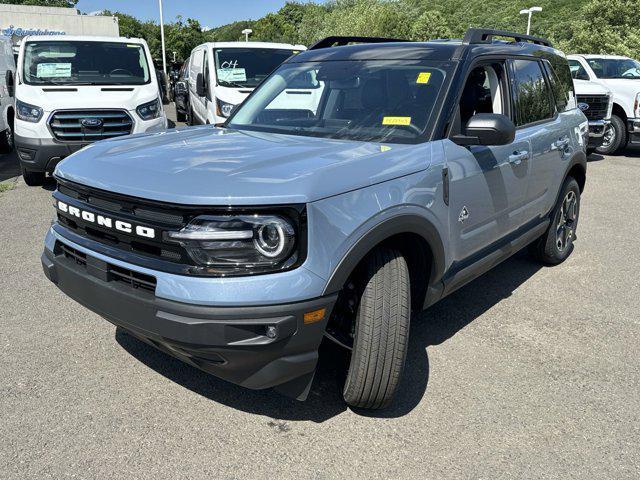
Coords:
pixel 149 110
pixel 240 243
pixel 225 109
pixel 27 112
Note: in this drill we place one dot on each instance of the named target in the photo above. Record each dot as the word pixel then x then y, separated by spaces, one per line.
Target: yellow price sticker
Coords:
pixel 424 77
pixel 396 121
pixel 384 148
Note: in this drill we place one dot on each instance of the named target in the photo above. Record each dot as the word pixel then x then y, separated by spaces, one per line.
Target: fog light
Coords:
pixel 272 332
pixel 25 154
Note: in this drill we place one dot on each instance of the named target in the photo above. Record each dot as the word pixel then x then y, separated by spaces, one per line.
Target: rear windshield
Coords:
pixel 385 101
pixel 85 63
pixel 247 67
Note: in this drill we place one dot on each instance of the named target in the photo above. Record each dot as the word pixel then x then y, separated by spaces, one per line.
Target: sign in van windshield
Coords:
pixel 232 75
pixel 53 70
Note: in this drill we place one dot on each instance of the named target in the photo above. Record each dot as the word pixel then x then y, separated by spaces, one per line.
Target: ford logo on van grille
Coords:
pixel 91 122
pixel 583 106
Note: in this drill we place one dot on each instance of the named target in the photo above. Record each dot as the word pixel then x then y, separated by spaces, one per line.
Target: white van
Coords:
pixel 223 74
pixel 75 90
pixel 7 72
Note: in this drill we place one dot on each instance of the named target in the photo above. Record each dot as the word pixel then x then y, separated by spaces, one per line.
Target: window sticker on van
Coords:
pixel 396 121
pixel 53 70
pixel 232 74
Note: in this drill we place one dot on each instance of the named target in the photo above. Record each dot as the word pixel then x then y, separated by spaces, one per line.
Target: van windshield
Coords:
pixel 247 67
pixel 381 101
pixel 615 67
pixel 85 63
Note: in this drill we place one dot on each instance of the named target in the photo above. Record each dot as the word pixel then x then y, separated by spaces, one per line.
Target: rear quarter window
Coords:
pixel 532 96
pixel 561 81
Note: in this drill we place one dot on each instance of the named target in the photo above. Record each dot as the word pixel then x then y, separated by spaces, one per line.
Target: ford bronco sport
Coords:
pixel 238 249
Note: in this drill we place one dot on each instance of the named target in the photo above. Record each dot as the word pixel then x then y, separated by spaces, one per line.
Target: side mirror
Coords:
pixel 9 81
pixel 490 129
pixel 200 86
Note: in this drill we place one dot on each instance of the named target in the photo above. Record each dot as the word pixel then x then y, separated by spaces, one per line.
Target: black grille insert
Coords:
pixel 89 125
pixel 598 106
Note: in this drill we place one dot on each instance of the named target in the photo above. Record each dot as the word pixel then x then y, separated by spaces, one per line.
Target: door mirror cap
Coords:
pixel 200 87
pixel 489 129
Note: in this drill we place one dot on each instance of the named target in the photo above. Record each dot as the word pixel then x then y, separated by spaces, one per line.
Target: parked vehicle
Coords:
pixel 74 90
pixel 621 75
pixel 223 74
pixel 181 93
pixel 7 75
pixel 421 166
pixel 596 102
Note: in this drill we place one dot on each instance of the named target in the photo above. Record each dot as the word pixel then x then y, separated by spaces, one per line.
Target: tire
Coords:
pixel 6 141
pixel 33 179
pixel 381 332
pixel 180 117
pixel 190 117
pixel 555 246
pixel 618 141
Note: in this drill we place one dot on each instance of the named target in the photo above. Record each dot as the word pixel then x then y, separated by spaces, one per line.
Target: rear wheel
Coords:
pixel 6 140
pixel 555 246
pixel 615 137
pixel 381 331
pixel 33 179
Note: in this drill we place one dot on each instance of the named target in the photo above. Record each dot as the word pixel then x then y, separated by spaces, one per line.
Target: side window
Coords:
pixel 532 97
pixel 578 72
pixel 561 85
pixel 483 93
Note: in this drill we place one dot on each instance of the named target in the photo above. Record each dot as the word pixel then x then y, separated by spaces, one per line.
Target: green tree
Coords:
pixel 183 37
pixel 430 25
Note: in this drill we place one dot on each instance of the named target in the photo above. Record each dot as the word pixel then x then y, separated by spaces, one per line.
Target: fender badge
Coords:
pixel 464 214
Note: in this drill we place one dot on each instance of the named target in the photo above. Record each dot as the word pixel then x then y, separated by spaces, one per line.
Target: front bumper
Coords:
pixel 634 131
pixel 43 154
pixel 596 132
pixel 229 342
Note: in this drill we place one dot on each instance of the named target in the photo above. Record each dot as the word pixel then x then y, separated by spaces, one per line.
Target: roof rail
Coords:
pixel 342 41
pixel 483 35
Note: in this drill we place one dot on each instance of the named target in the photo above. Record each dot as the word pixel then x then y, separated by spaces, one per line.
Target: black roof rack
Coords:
pixel 341 41
pixel 483 35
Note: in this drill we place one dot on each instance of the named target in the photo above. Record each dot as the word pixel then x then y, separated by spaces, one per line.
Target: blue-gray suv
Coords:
pixel 364 180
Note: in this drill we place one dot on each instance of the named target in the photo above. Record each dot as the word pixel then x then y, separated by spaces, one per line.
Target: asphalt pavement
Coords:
pixel 528 372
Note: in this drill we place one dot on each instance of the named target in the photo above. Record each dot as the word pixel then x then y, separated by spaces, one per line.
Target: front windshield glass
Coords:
pixel 383 101
pixel 615 67
pixel 247 67
pixel 85 63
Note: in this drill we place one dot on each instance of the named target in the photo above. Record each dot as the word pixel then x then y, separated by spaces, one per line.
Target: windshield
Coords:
pixel 383 101
pixel 85 63
pixel 615 67
pixel 247 67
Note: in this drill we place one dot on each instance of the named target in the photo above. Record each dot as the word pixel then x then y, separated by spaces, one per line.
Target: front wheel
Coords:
pixel 615 137
pixel 381 331
pixel 555 246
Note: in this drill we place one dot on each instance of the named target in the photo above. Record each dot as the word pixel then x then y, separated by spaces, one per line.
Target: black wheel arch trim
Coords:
pixel 399 224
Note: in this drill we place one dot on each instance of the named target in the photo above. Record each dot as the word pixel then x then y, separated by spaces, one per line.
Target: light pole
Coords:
pixel 164 54
pixel 529 11
pixel 246 32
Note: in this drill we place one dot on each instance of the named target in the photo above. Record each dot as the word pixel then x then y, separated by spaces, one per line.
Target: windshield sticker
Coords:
pixel 396 121
pixel 53 70
pixel 232 74
pixel 424 77
pixel 384 148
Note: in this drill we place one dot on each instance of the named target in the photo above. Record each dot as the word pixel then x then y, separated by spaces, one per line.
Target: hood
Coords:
pixel 586 87
pixel 210 166
pixel 86 96
pixel 624 91
pixel 234 96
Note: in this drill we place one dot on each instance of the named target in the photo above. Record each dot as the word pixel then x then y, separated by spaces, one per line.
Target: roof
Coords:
pixel 81 38
pixel 281 46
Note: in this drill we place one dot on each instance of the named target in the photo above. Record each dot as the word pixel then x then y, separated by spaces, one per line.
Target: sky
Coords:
pixel 210 13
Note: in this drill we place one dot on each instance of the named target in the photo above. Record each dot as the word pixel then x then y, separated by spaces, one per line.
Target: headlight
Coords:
pixel 225 109
pixel 610 107
pixel 28 113
pixel 149 110
pixel 239 243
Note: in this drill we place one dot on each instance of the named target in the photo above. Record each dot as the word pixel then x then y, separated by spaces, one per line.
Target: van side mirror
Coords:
pixel 10 82
pixel 489 129
pixel 200 86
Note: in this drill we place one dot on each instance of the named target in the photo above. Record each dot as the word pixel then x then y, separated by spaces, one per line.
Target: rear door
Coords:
pixel 196 66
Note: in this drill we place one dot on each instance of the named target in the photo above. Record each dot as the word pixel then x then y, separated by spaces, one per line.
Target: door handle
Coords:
pixel 518 157
pixel 561 144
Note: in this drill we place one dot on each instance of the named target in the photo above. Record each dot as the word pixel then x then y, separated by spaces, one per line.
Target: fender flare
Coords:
pixel 402 223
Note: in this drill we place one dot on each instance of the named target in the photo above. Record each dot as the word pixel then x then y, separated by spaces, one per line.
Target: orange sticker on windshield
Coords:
pixel 424 77
pixel 396 121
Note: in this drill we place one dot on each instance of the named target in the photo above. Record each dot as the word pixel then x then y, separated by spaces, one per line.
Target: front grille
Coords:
pixel 113 273
pixel 75 125
pixel 598 106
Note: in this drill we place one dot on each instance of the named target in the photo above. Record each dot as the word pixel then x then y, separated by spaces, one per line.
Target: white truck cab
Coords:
pixel 74 90
pixel 223 74
pixel 620 75
pixel 7 73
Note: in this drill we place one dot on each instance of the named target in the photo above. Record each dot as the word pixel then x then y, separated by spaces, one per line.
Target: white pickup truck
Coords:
pixel 621 75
